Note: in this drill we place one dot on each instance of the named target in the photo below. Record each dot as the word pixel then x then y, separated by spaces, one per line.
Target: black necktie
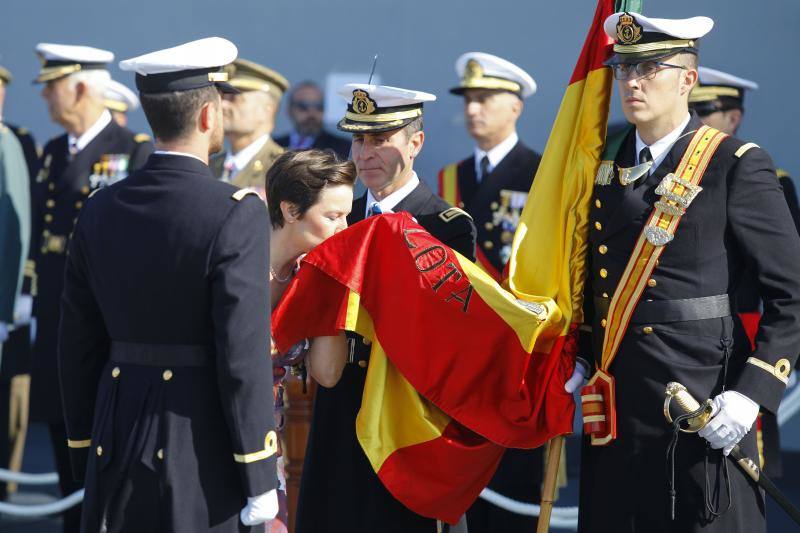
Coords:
pixel 644 157
pixel 484 167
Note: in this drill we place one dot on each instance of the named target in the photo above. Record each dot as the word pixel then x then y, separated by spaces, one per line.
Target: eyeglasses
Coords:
pixel 307 105
pixel 646 70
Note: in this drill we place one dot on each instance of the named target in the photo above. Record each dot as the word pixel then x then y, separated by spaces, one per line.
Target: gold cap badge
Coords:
pixel 473 71
pixel 628 30
pixel 362 103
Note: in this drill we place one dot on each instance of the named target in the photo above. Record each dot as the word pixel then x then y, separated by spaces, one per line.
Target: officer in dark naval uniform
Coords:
pixel 683 209
pixel 94 152
pixel 339 490
pixel 719 102
pixel 492 186
pixel 163 347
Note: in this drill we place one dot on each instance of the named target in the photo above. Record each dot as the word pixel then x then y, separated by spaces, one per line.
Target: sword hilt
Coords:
pixel 687 404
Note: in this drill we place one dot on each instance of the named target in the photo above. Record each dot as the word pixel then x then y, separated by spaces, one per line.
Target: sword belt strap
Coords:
pixel 677 191
pixel 665 311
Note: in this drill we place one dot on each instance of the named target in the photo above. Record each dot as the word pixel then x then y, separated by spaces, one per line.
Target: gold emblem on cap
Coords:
pixel 628 30
pixel 362 103
pixel 473 71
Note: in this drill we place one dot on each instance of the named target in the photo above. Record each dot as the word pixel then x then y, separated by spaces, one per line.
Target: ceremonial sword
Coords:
pixel 701 414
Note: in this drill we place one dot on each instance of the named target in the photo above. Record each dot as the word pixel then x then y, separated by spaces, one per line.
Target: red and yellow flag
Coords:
pixel 460 367
pixel 451 380
pixel 548 255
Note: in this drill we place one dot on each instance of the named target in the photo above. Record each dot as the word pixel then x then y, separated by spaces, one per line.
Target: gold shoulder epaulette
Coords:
pixel 141 138
pixel 22 130
pixel 453 213
pixel 744 148
pixel 241 193
pixel 782 173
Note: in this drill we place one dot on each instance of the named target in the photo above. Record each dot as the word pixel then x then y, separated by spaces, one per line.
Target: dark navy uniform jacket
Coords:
pixel 339 489
pixel 495 203
pixel 740 219
pixel 164 351
pixel 61 188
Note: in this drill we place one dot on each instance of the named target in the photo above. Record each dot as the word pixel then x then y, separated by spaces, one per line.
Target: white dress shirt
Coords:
pixel 391 201
pixel 660 148
pixel 236 162
pixel 495 154
pixel 76 144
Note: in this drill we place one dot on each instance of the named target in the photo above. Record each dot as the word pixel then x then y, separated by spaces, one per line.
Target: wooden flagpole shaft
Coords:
pixel 549 486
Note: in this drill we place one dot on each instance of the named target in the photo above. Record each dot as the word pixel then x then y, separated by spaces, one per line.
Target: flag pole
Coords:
pixel 549 485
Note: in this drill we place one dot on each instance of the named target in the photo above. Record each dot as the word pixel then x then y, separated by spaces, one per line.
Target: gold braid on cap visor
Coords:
pixel 653 47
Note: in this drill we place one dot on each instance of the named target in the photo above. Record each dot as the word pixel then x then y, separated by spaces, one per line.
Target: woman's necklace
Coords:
pixel 277 278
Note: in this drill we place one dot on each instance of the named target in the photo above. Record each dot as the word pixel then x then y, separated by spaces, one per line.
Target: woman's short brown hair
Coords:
pixel 299 177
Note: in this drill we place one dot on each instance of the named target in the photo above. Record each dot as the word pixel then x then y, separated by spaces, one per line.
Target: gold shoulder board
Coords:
pixel 141 138
pixel 241 193
pixel 744 148
pixel 782 173
pixel 453 213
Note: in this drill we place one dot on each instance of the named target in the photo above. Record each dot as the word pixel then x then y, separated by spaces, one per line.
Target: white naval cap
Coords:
pixel 188 66
pixel 377 108
pixel 719 91
pixel 59 60
pixel 639 38
pixel 119 98
pixel 478 70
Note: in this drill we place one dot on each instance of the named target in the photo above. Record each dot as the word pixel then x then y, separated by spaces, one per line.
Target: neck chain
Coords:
pixel 277 278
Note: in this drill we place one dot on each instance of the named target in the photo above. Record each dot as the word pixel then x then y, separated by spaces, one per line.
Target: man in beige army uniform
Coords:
pixel 249 120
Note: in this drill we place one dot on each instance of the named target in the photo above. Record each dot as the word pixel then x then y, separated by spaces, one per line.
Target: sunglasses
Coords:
pixel 307 105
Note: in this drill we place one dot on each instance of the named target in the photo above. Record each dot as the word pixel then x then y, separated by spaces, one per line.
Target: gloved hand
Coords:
pixel 732 417
pixel 260 508
pixel 3 332
pixel 576 379
pixel 23 307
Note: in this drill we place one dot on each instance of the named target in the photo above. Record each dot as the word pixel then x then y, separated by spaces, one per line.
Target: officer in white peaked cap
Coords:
pixel 164 339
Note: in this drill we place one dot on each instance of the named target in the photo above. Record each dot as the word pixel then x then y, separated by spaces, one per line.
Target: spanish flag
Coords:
pixel 549 250
pixel 451 380
pixel 460 367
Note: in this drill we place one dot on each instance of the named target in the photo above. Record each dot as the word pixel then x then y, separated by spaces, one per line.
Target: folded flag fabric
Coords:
pixel 452 377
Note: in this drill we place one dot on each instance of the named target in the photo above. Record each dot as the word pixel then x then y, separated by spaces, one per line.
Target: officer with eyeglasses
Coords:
pixel 719 102
pixel 306 109
pixel 673 222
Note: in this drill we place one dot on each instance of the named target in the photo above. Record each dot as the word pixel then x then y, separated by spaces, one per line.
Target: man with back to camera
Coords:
pixel 163 352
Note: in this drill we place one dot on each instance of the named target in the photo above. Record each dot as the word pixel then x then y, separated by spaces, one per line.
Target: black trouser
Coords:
pixel 67 484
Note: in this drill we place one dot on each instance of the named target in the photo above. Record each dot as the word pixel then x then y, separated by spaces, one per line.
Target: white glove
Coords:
pixel 23 308
pixel 576 379
pixel 3 332
pixel 733 416
pixel 259 509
